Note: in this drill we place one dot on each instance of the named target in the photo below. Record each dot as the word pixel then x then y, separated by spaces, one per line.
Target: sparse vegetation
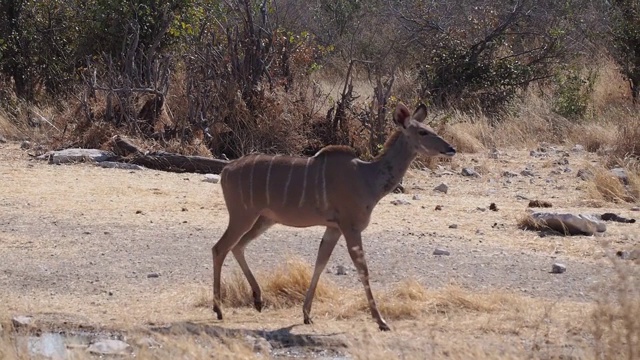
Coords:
pixel 203 77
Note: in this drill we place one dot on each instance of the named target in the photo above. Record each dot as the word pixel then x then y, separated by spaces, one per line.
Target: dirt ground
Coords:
pixel 79 243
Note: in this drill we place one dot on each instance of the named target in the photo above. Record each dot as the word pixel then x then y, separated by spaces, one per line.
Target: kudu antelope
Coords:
pixel 334 189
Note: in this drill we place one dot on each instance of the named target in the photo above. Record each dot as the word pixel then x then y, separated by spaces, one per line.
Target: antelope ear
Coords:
pixel 401 115
pixel 421 113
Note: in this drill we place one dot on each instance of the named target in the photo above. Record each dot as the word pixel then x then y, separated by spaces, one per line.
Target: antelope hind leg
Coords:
pixel 261 225
pixel 236 228
pixel 354 244
pixel 328 243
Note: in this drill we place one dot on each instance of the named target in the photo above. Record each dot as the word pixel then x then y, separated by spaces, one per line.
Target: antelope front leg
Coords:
pixel 328 243
pixel 238 226
pixel 354 244
pixel 261 225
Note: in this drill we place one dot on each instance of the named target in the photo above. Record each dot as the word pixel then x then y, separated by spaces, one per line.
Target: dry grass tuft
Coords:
pixel 410 300
pixel 627 143
pixel 7 128
pixel 616 319
pixel 285 287
pixel 607 187
pixel 288 284
pixel 460 136
pixel 594 137
pixel 528 222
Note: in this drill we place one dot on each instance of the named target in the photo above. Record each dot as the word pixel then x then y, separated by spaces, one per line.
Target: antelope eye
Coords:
pixel 423 132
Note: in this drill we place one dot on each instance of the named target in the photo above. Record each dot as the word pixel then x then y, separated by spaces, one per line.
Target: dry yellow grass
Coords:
pixel 616 319
pixel 607 187
pixel 594 137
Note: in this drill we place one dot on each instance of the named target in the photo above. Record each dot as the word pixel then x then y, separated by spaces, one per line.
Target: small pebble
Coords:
pixel 153 275
pixel 453 226
pixel 493 207
pixel 469 172
pixel 211 178
pixel 558 268
pixel 416 197
pixel 439 251
pixel 341 270
pixel 443 188
pixel 635 208
pixel 438 208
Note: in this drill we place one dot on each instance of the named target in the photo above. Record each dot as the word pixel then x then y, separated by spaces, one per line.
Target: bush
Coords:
pixel 572 94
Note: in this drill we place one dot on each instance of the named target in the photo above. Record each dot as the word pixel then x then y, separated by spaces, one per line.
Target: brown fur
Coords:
pixel 333 189
pixel 335 149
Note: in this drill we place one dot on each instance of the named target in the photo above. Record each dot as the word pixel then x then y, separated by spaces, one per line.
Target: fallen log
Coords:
pixel 164 161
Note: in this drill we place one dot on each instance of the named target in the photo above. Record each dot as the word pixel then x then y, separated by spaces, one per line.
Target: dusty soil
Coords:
pixel 80 242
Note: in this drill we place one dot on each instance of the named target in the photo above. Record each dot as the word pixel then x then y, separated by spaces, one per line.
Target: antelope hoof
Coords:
pixel 217 310
pixel 384 327
pixel 258 305
pixel 307 320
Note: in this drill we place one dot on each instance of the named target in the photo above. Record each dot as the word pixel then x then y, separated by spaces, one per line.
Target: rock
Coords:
pixel 153 275
pixel 577 148
pixel 119 165
pixel 509 174
pixel 527 172
pixel 439 251
pixel 443 188
pixel 438 208
pixel 481 209
pixel 341 270
pixel 2 140
pixel 621 174
pixel 21 321
pixel 535 153
pixel 46 346
pixel 562 161
pixel 400 202
pixel 540 204
pixel 585 174
pixel 567 224
pixel 259 344
pixel 415 197
pixel 109 347
pixel 493 207
pixel 453 226
pixel 558 268
pixel 635 208
pixel 469 172
pixel 211 178
pixel 77 155
pixel 623 254
pixel 25 145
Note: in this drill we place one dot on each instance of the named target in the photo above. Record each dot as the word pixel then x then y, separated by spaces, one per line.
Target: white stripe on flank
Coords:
pixel 240 188
pixel 325 203
pixel 253 167
pixel 268 177
pixel 304 182
pixel 286 186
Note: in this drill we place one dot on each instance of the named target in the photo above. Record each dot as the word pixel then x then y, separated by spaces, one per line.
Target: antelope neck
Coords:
pixel 385 172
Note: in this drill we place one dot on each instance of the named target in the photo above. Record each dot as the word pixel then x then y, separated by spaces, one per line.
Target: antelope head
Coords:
pixel 421 136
